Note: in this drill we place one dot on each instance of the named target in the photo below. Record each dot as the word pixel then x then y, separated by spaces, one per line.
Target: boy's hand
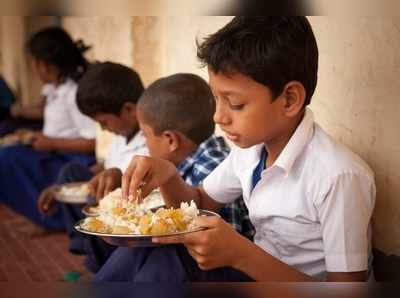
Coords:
pixel 15 110
pixel 105 182
pixel 216 247
pixel 96 168
pixel 42 143
pixel 145 173
pixel 46 200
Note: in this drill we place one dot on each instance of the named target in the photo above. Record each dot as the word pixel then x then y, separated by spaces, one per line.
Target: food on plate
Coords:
pixel 118 216
pixel 79 190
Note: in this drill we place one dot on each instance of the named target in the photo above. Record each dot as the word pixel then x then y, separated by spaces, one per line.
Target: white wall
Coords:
pixel 111 38
pixel 357 101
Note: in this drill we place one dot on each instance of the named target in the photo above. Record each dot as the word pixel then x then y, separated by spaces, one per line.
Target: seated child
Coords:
pixel 31 116
pixel 67 135
pixel 108 93
pixel 175 115
pixel 310 198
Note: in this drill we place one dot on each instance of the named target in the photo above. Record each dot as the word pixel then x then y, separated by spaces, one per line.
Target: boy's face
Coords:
pixel 158 145
pixel 43 70
pixel 246 111
pixel 112 123
pixel 123 125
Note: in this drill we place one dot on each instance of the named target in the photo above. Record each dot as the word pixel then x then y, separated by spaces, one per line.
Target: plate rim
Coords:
pixel 139 236
pixel 85 212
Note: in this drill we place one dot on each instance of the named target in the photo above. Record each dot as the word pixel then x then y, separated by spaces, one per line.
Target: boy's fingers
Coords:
pixel 46 201
pixel 207 221
pixel 93 186
pixel 195 253
pixel 100 188
pixel 42 206
pixel 126 179
pixel 136 181
pixel 49 208
pixel 189 239
pixel 108 186
pixel 169 239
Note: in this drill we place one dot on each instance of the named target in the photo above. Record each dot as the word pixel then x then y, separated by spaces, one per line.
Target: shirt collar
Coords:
pixel 297 142
pixel 137 141
pixel 54 92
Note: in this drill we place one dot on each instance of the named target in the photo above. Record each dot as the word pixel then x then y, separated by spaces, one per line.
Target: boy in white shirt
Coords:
pixel 108 93
pixel 309 198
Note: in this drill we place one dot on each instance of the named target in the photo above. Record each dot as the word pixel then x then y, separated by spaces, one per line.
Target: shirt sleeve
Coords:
pixel 345 214
pixel 109 160
pixel 47 89
pixel 222 184
pixel 120 155
pixel 138 147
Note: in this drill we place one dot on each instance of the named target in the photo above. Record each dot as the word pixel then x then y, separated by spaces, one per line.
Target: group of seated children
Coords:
pixel 295 205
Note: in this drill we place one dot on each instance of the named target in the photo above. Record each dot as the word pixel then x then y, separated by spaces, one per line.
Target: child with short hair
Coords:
pixel 310 198
pixel 107 93
pixel 67 135
pixel 175 115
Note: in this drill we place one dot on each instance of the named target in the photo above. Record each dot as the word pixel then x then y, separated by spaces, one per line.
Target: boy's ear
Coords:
pixel 295 96
pixel 173 138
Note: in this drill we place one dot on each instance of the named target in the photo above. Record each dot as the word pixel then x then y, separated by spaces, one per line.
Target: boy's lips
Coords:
pixel 231 136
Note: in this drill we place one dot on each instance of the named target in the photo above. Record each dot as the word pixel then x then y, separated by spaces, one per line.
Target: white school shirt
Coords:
pixel 121 153
pixel 312 208
pixel 62 118
pixel 47 89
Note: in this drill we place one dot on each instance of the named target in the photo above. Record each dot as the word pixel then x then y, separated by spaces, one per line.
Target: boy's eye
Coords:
pixel 236 107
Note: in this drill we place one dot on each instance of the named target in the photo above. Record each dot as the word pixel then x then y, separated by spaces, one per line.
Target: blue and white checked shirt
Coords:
pixel 202 162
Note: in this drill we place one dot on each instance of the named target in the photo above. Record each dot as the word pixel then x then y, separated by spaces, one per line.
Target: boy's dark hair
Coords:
pixel 55 46
pixel 181 102
pixel 105 87
pixel 271 50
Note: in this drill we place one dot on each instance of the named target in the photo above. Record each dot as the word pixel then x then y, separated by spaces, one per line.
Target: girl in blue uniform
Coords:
pixel 67 134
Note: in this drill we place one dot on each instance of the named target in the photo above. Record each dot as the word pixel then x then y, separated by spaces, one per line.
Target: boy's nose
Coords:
pixel 220 117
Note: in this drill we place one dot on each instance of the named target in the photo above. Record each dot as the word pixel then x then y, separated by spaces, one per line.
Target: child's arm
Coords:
pixel 221 246
pixel 33 112
pixel 154 172
pixel 97 168
pixel 344 208
pixel 81 145
pixel 46 200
